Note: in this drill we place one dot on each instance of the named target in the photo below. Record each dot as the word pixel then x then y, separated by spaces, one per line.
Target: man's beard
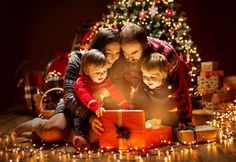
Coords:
pixel 133 62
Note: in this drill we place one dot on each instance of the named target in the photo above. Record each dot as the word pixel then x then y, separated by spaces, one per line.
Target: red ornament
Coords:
pixel 115 26
pixel 169 12
pixel 142 14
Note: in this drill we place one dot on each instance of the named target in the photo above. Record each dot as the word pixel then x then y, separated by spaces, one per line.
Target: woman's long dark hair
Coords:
pixel 104 37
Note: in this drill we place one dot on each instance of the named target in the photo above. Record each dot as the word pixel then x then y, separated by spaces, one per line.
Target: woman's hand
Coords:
pixel 100 94
pixel 96 125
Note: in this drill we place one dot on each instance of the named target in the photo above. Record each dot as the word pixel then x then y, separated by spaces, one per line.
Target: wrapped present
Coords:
pixel 209 66
pixel 158 136
pixel 201 133
pixel 217 97
pixel 209 105
pixel 210 73
pixel 216 106
pixel 223 96
pixel 206 97
pixel 123 129
pixel 206 85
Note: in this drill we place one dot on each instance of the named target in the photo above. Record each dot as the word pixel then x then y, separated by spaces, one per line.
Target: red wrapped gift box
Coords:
pixel 134 123
pixel 156 137
pixel 132 120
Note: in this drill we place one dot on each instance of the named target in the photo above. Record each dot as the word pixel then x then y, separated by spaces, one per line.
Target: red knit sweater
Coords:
pixel 84 88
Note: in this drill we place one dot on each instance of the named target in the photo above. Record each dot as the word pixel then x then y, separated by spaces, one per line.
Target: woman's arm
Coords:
pixel 71 75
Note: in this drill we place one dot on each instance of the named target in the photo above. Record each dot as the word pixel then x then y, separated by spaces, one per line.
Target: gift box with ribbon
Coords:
pixel 125 129
pixel 157 137
pixel 201 133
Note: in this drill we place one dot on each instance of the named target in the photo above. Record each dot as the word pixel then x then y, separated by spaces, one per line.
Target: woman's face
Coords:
pixel 132 51
pixel 112 52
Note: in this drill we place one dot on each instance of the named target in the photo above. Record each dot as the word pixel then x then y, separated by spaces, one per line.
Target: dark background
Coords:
pixel 34 29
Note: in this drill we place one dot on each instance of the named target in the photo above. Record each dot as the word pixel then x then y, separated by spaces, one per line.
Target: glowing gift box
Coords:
pixel 158 136
pixel 130 123
pixel 201 133
pixel 125 129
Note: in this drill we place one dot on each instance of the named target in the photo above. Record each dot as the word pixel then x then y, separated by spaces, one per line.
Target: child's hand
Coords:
pixel 99 112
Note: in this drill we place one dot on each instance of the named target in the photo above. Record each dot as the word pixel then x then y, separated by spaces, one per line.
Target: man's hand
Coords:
pixel 96 125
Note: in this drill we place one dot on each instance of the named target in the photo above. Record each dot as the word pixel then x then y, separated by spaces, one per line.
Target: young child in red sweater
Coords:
pixel 94 79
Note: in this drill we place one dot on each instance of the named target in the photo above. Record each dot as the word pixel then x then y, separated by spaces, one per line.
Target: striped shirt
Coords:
pixel 72 74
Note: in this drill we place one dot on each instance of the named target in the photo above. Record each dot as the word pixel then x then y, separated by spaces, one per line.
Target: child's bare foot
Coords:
pixel 79 142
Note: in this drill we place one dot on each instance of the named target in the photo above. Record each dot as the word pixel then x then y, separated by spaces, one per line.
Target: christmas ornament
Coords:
pixel 169 13
pixel 142 14
pixel 153 10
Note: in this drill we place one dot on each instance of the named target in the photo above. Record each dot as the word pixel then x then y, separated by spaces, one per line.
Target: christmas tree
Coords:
pixel 161 19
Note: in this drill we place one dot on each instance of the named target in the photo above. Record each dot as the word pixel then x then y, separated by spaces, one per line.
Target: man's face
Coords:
pixel 132 51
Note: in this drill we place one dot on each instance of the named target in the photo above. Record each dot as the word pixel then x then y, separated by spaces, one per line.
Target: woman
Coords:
pixel 135 46
pixel 59 126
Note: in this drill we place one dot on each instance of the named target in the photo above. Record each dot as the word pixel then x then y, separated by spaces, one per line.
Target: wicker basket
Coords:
pixel 49 101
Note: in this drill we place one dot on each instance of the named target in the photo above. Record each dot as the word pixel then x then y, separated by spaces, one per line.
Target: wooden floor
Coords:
pixel 21 149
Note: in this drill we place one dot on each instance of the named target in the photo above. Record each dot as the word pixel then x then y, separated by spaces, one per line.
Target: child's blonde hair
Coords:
pixel 92 57
pixel 155 63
